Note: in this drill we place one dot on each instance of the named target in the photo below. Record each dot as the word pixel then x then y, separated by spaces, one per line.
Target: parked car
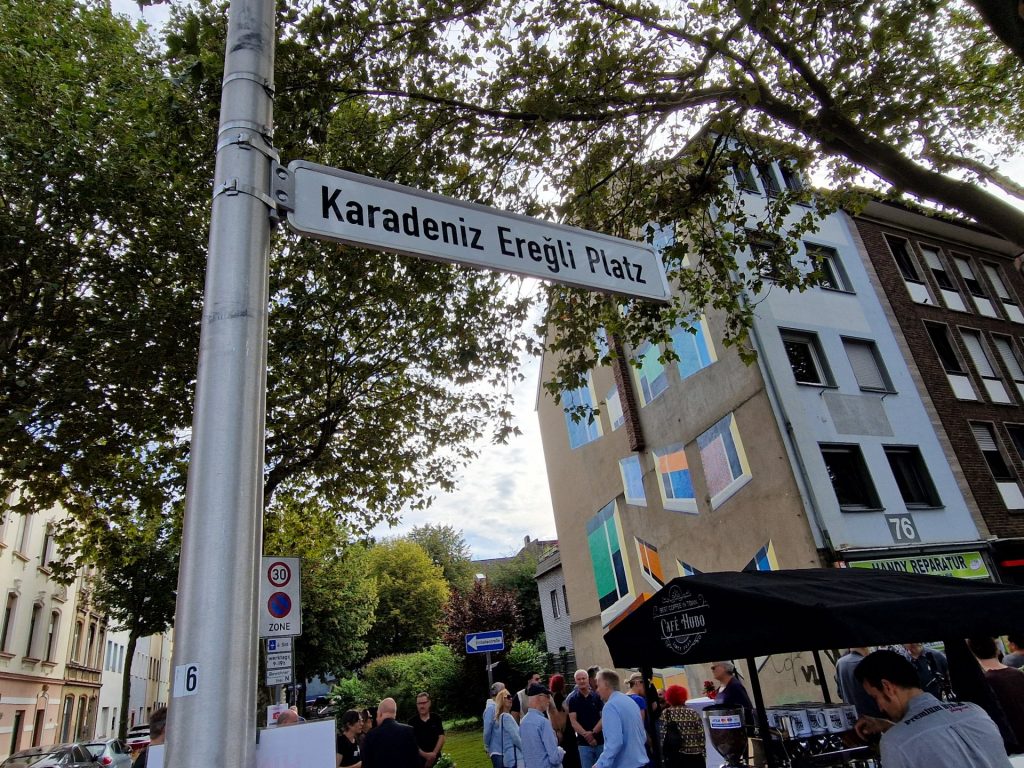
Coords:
pixel 56 756
pixel 110 753
pixel 138 737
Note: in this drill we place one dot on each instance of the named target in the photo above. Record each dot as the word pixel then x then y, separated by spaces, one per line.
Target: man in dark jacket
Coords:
pixel 391 744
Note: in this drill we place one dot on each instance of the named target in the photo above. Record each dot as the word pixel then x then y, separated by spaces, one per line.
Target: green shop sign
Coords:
pixel 962 565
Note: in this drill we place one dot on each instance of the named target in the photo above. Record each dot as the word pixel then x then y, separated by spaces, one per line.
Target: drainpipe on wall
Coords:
pixel 803 481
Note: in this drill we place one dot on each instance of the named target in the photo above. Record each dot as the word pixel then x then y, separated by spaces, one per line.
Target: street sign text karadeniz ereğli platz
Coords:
pixel 336 205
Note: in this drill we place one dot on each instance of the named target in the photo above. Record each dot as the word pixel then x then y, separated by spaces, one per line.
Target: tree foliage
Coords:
pixel 517 577
pixel 411 594
pixel 481 608
pixel 339 596
pixel 448 549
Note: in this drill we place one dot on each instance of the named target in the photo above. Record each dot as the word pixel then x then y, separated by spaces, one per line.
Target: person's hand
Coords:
pixel 868 726
pixel 589 738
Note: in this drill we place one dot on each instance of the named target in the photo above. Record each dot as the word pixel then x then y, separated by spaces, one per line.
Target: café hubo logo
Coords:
pixel 682 619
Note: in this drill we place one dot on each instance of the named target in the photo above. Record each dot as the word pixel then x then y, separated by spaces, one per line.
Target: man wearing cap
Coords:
pixel 540 748
pixel 623 728
pixel 491 743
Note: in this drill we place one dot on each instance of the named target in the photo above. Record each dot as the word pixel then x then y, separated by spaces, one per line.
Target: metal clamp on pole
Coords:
pixel 263 82
pixel 234 188
pixel 246 141
pixel 282 190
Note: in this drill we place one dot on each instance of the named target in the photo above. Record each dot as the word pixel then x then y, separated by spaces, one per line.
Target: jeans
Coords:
pixel 496 761
pixel 589 754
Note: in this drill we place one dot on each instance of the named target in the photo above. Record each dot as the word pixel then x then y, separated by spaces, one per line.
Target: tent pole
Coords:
pixel 821 677
pixel 760 714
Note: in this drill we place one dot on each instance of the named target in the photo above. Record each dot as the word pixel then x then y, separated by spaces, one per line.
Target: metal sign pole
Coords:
pixel 490 671
pixel 215 641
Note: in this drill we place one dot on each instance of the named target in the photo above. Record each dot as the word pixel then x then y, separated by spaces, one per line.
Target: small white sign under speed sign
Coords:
pixel 186 680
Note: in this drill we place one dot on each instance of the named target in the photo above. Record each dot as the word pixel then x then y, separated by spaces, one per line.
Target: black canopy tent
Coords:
pixel 730 615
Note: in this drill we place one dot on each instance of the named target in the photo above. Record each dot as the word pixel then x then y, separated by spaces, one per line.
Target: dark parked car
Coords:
pixel 57 756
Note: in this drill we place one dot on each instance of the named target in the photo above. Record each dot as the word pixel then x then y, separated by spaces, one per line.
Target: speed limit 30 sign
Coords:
pixel 280 597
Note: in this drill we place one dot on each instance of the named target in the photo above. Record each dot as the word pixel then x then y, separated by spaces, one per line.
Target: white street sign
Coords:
pixel 280 597
pixel 279 661
pixel 279 676
pixel 279 644
pixel 332 204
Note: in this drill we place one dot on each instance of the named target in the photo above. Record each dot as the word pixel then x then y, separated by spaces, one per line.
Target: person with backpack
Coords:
pixel 682 744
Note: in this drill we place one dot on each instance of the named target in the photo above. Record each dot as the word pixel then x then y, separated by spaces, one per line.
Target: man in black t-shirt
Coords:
pixel 429 730
pixel 584 707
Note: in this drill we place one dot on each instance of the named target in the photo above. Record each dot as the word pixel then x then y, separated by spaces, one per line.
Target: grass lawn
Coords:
pixel 467 747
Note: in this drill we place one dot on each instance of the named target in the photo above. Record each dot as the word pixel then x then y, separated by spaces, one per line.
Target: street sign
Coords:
pixel 485 642
pixel 279 661
pixel 279 676
pixel 280 597
pixel 279 645
pixel 331 204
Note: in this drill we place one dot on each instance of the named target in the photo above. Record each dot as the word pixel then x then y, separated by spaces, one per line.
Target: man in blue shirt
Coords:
pixel 621 724
pixel 584 708
pixel 540 748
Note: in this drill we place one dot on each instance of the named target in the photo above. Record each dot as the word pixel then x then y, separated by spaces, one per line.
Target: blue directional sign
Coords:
pixel 484 642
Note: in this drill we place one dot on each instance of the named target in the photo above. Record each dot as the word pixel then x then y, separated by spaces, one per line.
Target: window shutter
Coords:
pixel 865 365
pixel 972 340
pixel 985 436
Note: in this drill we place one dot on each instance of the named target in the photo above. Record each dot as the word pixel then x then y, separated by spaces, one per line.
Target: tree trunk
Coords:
pixel 126 684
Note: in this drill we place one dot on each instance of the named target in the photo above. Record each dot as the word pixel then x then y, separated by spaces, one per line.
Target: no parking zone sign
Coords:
pixel 280 597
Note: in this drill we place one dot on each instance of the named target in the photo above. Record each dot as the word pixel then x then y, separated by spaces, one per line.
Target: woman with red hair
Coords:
pixel 682 742
pixel 560 722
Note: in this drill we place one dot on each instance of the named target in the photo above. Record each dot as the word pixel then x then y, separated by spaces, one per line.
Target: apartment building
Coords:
pixel 953 293
pixel 823 453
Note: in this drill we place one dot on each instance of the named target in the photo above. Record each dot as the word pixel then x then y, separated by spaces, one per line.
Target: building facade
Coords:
pixel 554 603
pixel 953 293
pixel 823 453
pixel 35 634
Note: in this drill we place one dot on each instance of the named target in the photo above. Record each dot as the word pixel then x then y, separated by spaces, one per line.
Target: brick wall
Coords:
pixel 955 415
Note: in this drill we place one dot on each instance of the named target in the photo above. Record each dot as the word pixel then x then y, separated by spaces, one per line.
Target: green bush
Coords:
pixel 524 657
pixel 349 693
pixel 402 676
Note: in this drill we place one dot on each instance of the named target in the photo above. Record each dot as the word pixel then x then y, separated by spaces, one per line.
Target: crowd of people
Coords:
pixel 594 725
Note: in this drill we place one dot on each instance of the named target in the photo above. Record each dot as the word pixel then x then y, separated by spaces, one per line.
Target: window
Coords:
pixel 87 660
pixel 565 599
pixel 650 563
pixel 24 532
pixel 939 335
pixel 33 625
pixel 47 553
pixel 651 376
pixel 583 428
pixel 65 727
pixel 912 477
pixel 676 482
pixel 867 365
pixel 826 261
pixel 51 636
pixel 685 569
pixel 76 641
pixel 615 415
pixel 1016 433
pixel 762 259
pixel 767 174
pixel 764 560
pixel 850 478
pixel 947 287
pixel 633 481
pixel 723 460
pixel 806 358
pixel 985 436
pixel 956 373
pixel 695 353
pixel 611 574
pixel 8 626
pixel 1005 349
pixel 983 363
pixel 904 258
pixel 1009 303
pixel 791 177
pixel 745 177
pixel 977 291
pixel 554 604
